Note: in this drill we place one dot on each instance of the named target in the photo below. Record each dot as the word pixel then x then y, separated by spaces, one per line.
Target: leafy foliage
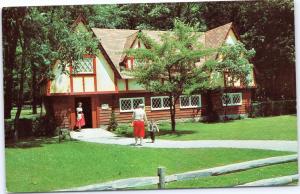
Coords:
pixel 235 60
pixel 267 26
pixel 173 67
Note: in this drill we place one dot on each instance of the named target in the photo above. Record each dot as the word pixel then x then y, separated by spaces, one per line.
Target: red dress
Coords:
pixel 80 122
pixel 138 128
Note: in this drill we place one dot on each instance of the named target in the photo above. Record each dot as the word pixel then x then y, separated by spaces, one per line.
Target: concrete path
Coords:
pixel 105 137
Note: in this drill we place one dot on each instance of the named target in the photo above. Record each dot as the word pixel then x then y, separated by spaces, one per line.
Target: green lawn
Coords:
pixel 267 128
pixel 50 166
pixel 237 178
pixel 26 113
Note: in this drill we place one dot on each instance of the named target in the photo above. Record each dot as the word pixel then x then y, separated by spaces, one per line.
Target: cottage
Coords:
pixel 101 85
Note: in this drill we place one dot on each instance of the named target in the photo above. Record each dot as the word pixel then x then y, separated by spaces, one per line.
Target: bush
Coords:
pixel 124 130
pixel 43 126
pixel 35 126
pixel 112 126
pixel 9 128
pixel 272 108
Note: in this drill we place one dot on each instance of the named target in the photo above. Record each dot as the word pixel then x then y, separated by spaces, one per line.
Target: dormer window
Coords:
pixel 130 63
pixel 127 64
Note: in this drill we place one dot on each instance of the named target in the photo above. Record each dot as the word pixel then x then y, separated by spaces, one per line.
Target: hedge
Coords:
pixel 272 108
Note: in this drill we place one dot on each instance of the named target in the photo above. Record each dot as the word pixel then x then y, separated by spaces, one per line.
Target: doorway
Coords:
pixel 87 110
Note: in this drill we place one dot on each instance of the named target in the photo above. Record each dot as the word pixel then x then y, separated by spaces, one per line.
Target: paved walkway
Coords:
pixel 105 137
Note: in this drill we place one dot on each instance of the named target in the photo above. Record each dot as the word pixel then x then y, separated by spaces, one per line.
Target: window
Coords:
pixel 232 99
pixel 84 66
pixel 129 104
pixel 193 101
pixel 160 102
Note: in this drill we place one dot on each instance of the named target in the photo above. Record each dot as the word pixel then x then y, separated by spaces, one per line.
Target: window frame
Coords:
pixel 131 101
pixel 231 100
pixel 161 98
pixel 190 99
pixel 93 63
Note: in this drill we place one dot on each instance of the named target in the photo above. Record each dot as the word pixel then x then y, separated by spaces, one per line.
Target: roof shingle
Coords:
pixel 116 41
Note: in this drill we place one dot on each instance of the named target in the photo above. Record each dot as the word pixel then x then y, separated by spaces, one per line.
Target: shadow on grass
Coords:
pixel 34 142
pixel 219 122
pixel 177 133
pixel 160 133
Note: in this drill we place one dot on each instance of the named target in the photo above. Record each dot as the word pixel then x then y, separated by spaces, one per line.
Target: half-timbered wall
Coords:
pixel 105 75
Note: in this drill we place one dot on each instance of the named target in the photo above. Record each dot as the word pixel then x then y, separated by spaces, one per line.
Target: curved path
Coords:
pixel 105 137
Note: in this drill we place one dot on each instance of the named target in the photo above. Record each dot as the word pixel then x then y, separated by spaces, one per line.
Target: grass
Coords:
pixel 46 165
pixel 237 178
pixel 26 113
pixel 267 128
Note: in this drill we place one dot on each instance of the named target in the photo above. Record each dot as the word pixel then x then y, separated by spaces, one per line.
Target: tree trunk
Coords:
pixel 34 89
pixel 8 86
pixel 20 100
pixel 9 61
pixel 209 108
pixel 173 122
pixel 173 113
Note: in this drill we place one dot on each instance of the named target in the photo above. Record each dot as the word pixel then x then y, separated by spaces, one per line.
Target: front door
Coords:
pixel 87 110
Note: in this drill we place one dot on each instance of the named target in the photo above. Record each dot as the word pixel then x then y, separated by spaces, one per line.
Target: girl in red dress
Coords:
pixel 80 122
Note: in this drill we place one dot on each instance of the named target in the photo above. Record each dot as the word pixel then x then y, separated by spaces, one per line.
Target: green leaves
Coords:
pixel 168 66
pixel 234 59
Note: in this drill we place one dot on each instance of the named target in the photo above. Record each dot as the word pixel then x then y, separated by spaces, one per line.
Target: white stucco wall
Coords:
pixel 89 84
pixel 77 84
pixel 105 75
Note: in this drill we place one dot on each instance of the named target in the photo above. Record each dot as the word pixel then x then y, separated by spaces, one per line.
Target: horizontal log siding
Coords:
pixel 61 109
pixel 239 109
pixel 125 117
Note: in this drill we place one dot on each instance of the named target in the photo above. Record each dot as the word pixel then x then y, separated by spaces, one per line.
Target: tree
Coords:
pixel 261 25
pixel 113 124
pixel 172 67
pixel 10 21
pixel 45 35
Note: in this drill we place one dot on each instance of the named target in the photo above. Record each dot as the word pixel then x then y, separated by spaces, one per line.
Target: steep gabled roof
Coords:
pixel 116 41
pixel 214 38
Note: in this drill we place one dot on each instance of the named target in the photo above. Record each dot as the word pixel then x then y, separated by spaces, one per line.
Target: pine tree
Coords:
pixel 112 126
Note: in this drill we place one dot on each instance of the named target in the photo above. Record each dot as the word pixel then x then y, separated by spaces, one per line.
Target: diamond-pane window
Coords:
pixel 126 104
pixel 236 99
pixel 137 101
pixel 226 99
pixel 232 99
pixel 166 102
pixel 193 101
pixel 160 102
pixel 84 66
pixel 156 103
pixel 129 104
pixel 184 101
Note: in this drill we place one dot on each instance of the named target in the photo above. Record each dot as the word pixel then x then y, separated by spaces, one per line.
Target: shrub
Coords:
pixel 124 130
pixel 35 126
pixel 112 126
pixel 9 128
pixel 272 108
pixel 43 126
